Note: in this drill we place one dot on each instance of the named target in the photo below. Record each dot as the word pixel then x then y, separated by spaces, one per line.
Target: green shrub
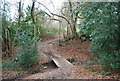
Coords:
pixel 11 64
pixel 101 24
pixel 28 56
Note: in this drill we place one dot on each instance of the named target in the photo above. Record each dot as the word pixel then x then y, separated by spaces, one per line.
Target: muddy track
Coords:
pixel 47 52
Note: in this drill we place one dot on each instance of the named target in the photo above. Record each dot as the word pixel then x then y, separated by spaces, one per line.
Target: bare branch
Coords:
pixel 47 14
pixel 56 19
pixel 32 12
pixel 62 17
pixel 44 6
pixel 54 14
pixel 62 12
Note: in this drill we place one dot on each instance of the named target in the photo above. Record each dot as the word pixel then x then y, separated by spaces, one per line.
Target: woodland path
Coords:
pixel 65 69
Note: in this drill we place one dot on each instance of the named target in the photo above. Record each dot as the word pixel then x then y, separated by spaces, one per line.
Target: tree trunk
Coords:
pixel 73 23
pixel 19 12
pixel 36 27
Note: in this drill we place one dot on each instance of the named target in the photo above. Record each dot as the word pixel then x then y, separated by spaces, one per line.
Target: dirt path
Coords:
pixel 48 53
pixel 65 69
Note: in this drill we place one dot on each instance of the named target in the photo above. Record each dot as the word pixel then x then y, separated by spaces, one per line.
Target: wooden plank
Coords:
pixel 61 62
pixel 58 60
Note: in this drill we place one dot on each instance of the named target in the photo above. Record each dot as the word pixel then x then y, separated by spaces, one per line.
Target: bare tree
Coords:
pixel 73 18
pixel 70 19
pixel 36 27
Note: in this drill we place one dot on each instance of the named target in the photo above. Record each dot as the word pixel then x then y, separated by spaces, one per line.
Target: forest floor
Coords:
pixel 75 51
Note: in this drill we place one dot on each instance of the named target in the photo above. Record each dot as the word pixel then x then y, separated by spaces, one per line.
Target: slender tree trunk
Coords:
pixel 60 32
pixel 19 12
pixel 19 20
pixel 73 23
pixel 36 27
pixel 75 34
pixel 10 42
